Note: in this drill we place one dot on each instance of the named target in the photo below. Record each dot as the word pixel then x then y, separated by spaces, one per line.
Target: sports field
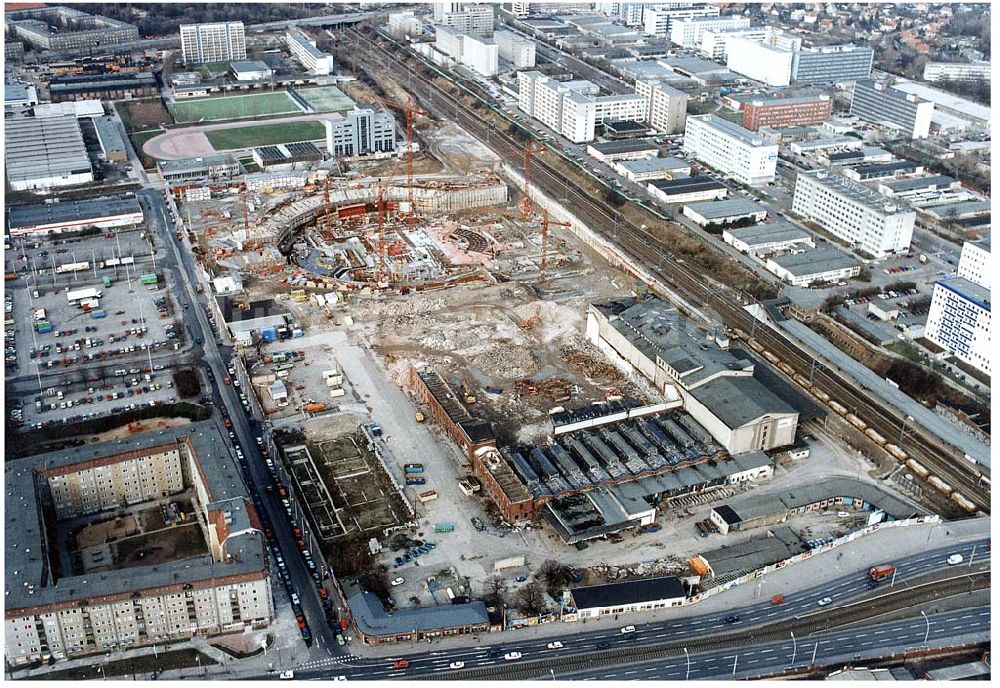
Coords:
pixel 265 135
pixel 325 99
pixel 233 107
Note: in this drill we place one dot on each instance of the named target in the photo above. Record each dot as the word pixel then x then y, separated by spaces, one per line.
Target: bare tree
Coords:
pixel 530 599
pixel 494 589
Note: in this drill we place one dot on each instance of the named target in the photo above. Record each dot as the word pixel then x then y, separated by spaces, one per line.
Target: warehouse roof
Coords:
pixel 73 84
pixel 72 210
pixel 249 66
pixel 773 232
pixel 654 165
pixel 855 192
pixel 739 401
pixel 932 182
pixel 624 147
pixel 109 135
pixel 684 185
pixel 734 207
pixel 42 148
pixel 630 592
pixel 884 169
pixel 372 619
pixel 194 164
pixel 815 261
pixel 960 209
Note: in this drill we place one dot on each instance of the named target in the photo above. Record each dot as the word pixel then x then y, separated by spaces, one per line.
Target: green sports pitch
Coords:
pixel 233 107
pixel 237 138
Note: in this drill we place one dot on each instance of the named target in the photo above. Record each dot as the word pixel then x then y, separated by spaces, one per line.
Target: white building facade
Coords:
pixel 957 71
pixel 517 50
pixel 688 32
pixel 361 132
pixel 862 218
pixel 959 320
pixel 573 112
pixel 658 20
pixel 481 55
pixel 305 51
pixel 218 42
pixel 731 149
pixel 974 265
pixel 665 106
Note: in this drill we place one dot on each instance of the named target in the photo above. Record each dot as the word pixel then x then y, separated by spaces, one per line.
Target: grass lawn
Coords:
pixel 140 666
pixel 233 107
pixel 326 98
pixel 265 135
pixel 140 137
pixel 905 349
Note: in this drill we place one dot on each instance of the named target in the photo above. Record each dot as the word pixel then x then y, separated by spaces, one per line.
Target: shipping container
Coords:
pixel 335 381
pixel 337 392
pixel 444 527
pixel 428 496
pixel 413 468
pixel 268 334
pixel 97 315
pixel 315 407
pixel 43 327
pixel 149 278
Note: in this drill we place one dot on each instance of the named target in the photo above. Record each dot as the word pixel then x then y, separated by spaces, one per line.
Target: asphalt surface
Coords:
pixel 577 640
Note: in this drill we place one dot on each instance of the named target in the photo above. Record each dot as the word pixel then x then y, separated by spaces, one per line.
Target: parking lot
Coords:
pixel 107 355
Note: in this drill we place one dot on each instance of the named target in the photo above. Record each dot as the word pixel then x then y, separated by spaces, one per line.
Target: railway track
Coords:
pixel 802 626
pixel 645 248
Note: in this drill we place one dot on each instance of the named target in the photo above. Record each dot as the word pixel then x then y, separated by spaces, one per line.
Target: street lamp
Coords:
pixel 973 555
pixel 688 658
pixel 928 633
pixel 902 429
pixel 795 647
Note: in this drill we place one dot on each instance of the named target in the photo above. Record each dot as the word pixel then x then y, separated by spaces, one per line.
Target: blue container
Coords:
pixel 97 315
pixel 268 334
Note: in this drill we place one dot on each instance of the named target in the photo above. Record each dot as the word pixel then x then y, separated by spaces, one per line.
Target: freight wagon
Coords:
pixel 940 485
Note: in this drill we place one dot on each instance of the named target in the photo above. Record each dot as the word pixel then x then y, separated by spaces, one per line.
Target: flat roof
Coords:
pixel 372 618
pixel 44 148
pixel 733 130
pixel 881 168
pixel 960 209
pixel 856 192
pixel 738 401
pixel 72 210
pixel 109 135
pixel 305 42
pixel 629 592
pixel 654 164
pixel 773 232
pixel 725 208
pixel 249 66
pixel 944 99
pixel 903 185
pixel 673 187
pixel 194 164
pixel 968 290
pixel 265 308
pixel 781 100
pixel 624 146
pixel 695 65
pixel 815 261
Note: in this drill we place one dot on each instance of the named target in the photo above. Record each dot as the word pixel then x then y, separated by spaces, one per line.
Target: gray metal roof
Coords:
pixel 194 164
pixel 815 261
pixel 41 148
pixel 371 617
pixel 26 575
pixel 71 210
pixel 249 66
pixel 968 289
pixel 902 185
pixel 624 146
pixel 629 592
pixel 712 210
pixel 109 135
pixel 773 232
pixel 655 164
pixel 855 192
pixel 738 401
pixel 750 138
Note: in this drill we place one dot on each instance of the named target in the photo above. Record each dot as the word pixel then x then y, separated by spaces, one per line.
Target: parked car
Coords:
pixel 397 582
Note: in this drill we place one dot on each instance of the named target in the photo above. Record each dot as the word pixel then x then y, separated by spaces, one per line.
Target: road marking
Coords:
pixel 629 673
pixel 766 650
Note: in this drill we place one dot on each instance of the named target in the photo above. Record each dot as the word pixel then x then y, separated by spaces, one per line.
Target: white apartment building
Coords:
pixel 443 8
pixel 688 33
pixel 305 51
pixel 957 71
pixel 862 218
pixel 218 42
pixel 731 149
pixel 715 42
pixel 658 20
pixel 628 13
pixel 974 265
pixel 666 106
pixel 404 24
pixel 768 60
pixel 481 55
pixel 960 316
pixel 476 20
pixel 571 108
pixel 517 50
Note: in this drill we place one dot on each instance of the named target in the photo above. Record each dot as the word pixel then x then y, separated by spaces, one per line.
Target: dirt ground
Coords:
pixel 148 114
pixel 146 425
pixel 171 544
pixel 99 533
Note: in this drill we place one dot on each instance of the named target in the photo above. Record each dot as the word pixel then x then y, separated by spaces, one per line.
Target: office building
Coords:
pixel 688 33
pixel 831 63
pixel 778 59
pixel 403 25
pixel 480 54
pixel 825 264
pixel 715 42
pixel 957 71
pixel 786 112
pixel 666 106
pixel 118 601
pixel 305 51
pixel 731 149
pixel 628 13
pixel 216 42
pixel 41 154
pixel 442 8
pixel 572 108
pixel 659 20
pixel 881 104
pixel 205 167
pixel 959 318
pixel 68 29
pixel 861 218
pixel 361 132
pixel 475 20
pixel 974 265
pixel 517 50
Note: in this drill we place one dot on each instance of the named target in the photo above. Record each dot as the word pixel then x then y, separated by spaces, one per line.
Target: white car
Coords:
pixel 397 581
pixel 955 559
pixel 287 675
pixel 628 629
pixel 843 514
pixel 825 601
pixel 511 656
pixel 554 645
pixel 456 665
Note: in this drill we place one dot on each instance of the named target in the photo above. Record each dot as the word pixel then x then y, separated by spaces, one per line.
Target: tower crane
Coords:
pixel 545 240
pixel 525 204
pixel 380 209
pixel 410 111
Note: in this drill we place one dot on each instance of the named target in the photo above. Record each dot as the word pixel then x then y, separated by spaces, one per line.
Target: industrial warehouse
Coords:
pixel 106 212
pixel 45 153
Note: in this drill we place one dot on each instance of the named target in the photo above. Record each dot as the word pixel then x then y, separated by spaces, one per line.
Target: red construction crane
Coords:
pixel 545 240
pixel 410 112
pixel 526 201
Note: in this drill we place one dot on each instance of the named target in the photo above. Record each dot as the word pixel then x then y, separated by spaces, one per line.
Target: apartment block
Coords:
pixel 778 59
pixel 67 29
pixel 957 71
pixel 628 13
pixel 688 32
pixel 959 318
pixel 476 20
pixel 666 106
pixel 834 63
pixel 731 149
pixel 974 265
pixel 573 108
pixel 715 42
pixel 217 42
pixel 659 20
pixel 517 50
pixel 861 218
pixel 305 51
pixel 361 132
pixel 481 55
pixel 879 103
pixel 786 112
